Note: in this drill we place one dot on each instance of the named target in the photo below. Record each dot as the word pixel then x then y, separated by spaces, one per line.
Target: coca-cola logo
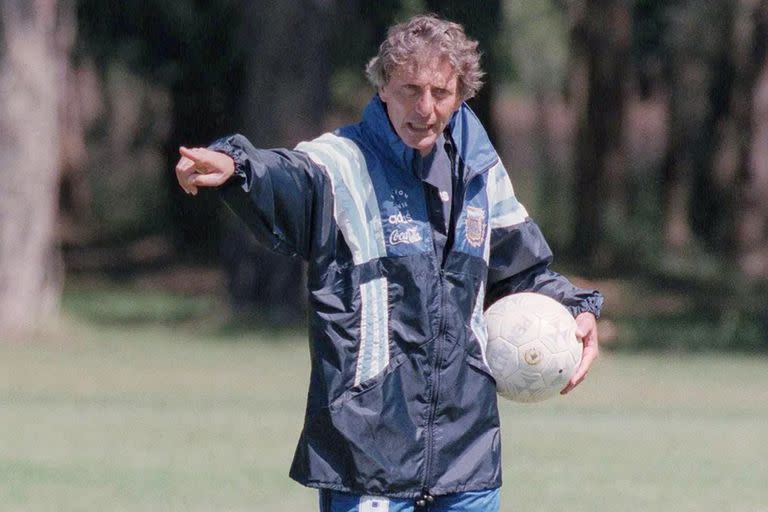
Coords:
pixel 406 236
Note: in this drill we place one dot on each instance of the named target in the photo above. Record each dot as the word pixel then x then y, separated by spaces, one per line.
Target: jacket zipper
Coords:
pixel 435 378
pixel 434 389
pixel 456 181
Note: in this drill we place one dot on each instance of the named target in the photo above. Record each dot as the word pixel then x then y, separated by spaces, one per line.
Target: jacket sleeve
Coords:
pixel 520 257
pixel 276 192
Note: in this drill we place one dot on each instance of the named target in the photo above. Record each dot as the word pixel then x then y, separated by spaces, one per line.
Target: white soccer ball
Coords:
pixel 532 346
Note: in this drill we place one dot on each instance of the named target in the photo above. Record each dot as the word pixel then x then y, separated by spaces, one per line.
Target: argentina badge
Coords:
pixel 475 226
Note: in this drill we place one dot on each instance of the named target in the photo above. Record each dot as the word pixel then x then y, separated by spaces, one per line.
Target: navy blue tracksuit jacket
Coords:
pixel 401 401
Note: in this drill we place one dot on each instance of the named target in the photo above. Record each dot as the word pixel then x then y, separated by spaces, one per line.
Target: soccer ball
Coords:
pixel 532 348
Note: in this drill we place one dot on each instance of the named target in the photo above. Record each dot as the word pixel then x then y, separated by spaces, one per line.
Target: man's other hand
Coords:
pixel 586 331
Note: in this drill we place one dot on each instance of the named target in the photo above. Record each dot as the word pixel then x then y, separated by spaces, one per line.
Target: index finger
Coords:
pixel 193 154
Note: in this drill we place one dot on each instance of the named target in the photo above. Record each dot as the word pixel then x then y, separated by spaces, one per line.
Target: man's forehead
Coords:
pixel 431 67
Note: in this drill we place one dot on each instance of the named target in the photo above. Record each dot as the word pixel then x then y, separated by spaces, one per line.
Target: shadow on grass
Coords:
pixel 200 315
pixel 125 306
pixel 730 331
pixel 270 330
pixel 676 317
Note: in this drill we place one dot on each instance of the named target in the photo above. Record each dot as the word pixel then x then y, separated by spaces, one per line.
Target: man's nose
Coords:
pixel 425 104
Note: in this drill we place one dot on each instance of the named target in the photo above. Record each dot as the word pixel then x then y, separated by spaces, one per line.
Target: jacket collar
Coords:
pixel 472 142
pixel 382 135
pixel 468 135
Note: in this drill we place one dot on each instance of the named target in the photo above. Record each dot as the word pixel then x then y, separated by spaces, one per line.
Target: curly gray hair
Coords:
pixel 425 35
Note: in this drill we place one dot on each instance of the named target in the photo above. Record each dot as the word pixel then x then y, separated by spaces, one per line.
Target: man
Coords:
pixel 410 226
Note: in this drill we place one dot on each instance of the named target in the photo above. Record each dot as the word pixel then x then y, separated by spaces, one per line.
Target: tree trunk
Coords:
pixel 287 75
pixel 700 83
pixel 750 119
pixel 33 57
pixel 601 33
pixel 286 98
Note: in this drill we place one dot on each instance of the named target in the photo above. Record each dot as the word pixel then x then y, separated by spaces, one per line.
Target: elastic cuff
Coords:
pixel 592 304
pixel 225 145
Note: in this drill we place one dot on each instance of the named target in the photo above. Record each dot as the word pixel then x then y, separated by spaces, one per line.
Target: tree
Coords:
pixel 738 170
pixel 286 95
pixel 35 37
pixel 753 232
pixel 601 35
pixel 700 78
pixel 258 68
pixel 713 179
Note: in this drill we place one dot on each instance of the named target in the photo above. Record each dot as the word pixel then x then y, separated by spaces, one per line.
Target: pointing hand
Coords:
pixel 200 167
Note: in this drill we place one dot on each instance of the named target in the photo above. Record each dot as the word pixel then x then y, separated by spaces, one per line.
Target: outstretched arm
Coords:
pixel 280 194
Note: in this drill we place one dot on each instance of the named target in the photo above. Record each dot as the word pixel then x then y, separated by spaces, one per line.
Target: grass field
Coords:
pixel 106 418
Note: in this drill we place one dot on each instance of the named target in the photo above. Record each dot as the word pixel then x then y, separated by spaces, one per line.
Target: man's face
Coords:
pixel 420 100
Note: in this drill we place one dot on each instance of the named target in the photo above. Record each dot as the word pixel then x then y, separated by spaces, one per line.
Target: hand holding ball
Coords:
pixel 532 346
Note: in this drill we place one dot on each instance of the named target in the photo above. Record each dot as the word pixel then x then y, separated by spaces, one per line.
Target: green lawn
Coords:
pixel 106 418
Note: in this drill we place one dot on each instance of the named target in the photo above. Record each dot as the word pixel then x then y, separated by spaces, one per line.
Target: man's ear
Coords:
pixel 383 93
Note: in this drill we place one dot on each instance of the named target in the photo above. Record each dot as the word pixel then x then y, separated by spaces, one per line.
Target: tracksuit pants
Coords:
pixel 473 501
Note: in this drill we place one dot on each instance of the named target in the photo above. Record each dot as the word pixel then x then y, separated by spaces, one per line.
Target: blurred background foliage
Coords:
pixel 636 132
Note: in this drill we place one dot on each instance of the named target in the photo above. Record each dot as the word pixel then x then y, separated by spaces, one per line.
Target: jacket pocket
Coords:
pixel 363 387
pixel 481 367
pixel 370 434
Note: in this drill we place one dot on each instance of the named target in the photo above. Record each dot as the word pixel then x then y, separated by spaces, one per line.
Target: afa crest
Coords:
pixel 475 226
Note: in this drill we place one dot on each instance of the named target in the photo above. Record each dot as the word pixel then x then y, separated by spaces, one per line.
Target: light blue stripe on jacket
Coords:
pixel 356 209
